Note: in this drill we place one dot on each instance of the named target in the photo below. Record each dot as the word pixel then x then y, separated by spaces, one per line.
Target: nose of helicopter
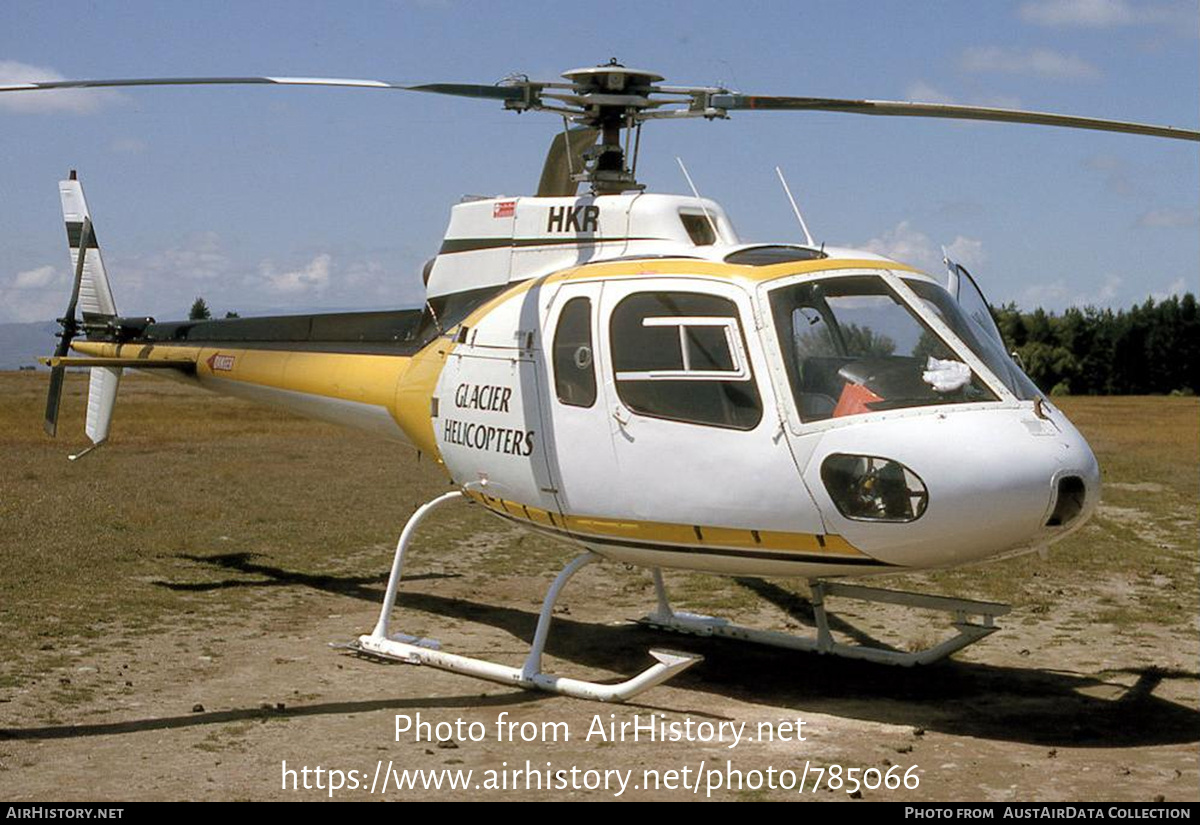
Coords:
pixel 974 485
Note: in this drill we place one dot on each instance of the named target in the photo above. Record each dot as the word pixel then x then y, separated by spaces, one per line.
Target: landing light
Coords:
pixel 870 488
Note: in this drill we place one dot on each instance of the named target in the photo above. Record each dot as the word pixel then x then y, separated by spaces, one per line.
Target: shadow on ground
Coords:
pixel 1026 705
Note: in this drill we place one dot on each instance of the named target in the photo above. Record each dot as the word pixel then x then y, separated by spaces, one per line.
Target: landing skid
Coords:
pixel 967 632
pixel 383 644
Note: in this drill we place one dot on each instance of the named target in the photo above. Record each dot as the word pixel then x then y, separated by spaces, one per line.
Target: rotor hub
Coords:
pixel 611 97
pixel 613 80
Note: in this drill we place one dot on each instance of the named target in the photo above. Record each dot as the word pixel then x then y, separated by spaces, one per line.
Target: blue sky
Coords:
pixel 265 198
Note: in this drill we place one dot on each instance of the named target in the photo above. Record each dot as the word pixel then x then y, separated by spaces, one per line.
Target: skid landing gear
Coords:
pixel 967 632
pixel 383 644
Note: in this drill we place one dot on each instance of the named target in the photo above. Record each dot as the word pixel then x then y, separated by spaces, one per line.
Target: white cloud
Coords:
pixel 34 295
pixel 314 277
pixel 78 101
pixel 1177 287
pixel 966 251
pixel 906 244
pixel 1045 63
pixel 1109 291
pixel 1057 296
pixel 1096 14
pixel 1179 15
pixel 164 282
pixel 909 245
pixel 38 278
pixel 1051 296
pixel 1170 218
pixel 200 259
pixel 1119 177
pixel 921 92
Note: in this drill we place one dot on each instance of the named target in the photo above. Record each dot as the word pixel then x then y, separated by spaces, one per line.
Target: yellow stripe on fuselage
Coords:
pixel 653 532
pixel 361 378
pixel 681 267
pixel 713 269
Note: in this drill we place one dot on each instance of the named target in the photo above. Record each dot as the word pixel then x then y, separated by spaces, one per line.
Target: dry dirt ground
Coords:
pixel 217 669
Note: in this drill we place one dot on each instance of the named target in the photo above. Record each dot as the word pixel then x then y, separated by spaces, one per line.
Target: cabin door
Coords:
pixel 579 440
pixel 689 408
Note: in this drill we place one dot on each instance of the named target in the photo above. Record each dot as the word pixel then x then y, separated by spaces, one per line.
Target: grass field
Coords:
pixel 193 491
pixel 196 490
pixel 205 556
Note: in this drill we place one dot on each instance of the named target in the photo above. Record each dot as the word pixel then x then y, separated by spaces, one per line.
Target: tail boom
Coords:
pixel 350 389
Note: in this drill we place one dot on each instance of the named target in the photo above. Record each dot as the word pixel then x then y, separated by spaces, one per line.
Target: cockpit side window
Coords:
pixel 682 356
pixel 852 346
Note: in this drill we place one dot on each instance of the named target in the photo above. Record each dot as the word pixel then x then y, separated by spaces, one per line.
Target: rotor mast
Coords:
pixel 608 98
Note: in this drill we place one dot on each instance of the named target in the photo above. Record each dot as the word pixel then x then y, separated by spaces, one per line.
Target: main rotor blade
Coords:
pixel 457 89
pixel 945 110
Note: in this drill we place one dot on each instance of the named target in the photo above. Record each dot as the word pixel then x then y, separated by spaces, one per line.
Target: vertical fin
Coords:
pixel 102 397
pixel 95 294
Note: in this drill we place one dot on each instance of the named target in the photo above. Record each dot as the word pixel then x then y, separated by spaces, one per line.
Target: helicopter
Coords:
pixel 618 370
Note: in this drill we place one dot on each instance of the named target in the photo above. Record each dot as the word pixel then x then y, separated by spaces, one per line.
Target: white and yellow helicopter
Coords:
pixel 619 371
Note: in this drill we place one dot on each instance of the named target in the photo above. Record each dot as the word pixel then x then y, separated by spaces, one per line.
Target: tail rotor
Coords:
pixel 70 328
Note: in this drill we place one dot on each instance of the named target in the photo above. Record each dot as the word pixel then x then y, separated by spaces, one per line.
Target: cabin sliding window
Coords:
pixel 682 356
pixel 574 366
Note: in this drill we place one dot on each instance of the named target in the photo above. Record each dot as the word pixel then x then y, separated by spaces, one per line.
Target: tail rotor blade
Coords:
pixel 69 327
pixel 53 399
pixel 85 238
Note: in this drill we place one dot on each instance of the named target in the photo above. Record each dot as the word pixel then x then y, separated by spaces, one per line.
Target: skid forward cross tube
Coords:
pixel 403 648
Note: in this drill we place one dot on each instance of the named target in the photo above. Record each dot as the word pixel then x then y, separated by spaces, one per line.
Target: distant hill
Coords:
pixel 22 344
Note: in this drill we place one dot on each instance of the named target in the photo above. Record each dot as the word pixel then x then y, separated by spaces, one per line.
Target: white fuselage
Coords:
pixel 639 382
pixel 718 466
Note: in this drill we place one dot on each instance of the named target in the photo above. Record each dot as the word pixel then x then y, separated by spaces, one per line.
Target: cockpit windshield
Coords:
pixel 975 335
pixel 852 346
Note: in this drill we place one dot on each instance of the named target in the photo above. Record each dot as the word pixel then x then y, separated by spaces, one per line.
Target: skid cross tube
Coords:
pixel 383 644
pixel 968 632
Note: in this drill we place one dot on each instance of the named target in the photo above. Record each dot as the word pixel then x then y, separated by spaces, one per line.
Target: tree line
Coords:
pixel 1150 349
